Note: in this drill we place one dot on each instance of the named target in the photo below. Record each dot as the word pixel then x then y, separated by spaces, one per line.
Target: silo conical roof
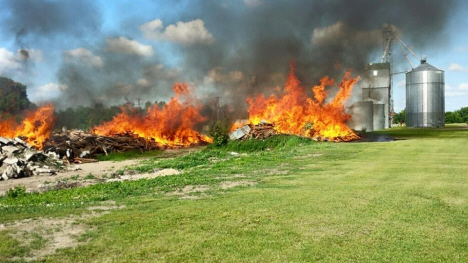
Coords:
pixel 426 67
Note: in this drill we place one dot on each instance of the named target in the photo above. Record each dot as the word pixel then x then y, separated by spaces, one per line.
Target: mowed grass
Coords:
pixel 402 201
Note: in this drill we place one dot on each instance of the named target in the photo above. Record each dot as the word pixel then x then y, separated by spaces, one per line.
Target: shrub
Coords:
pixel 219 131
pixel 16 191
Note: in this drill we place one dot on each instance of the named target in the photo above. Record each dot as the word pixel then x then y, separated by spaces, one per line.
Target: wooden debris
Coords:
pixel 260 131
pixel 87 145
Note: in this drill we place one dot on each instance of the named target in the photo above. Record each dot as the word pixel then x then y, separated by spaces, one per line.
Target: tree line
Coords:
pixel 458 116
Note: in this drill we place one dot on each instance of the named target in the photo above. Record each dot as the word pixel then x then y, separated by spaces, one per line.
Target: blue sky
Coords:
pixel 120 18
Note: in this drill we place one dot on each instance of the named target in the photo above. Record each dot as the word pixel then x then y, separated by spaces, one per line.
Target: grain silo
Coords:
pixel 425 96
pixel 377 89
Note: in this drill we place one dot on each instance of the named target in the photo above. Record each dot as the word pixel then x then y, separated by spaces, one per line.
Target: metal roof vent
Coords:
pixel 423 59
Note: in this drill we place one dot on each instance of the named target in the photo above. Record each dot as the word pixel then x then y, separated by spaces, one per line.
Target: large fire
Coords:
pixel 171 126
pixel 293 112
pixel 35 128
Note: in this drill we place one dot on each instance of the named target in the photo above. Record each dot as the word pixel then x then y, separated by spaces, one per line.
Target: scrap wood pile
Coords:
pixel 260 131
pixel 77 144
pixel 18 159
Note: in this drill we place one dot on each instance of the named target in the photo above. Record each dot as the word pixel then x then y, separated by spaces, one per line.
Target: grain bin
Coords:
pixel 425 98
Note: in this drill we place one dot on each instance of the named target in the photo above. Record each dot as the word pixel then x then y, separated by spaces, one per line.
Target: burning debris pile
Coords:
pixel 18 159
pixel 35 127
pixel 77 146
pixel 260 131
pixel 169 127
pixel 293 112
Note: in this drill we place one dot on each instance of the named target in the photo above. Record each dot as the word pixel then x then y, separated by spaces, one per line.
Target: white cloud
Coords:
pixel 187 33
pixel 8 61
pixel 460 90
pixel 127 46
pixel 51 87
pixel 47 91
pixel 457 67
pixel 252 3
pixel 461 49
pixel 82 56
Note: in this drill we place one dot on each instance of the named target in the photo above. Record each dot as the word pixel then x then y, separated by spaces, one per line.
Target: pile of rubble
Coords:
pixel 78 146
pixel 18 159
pixel 260 131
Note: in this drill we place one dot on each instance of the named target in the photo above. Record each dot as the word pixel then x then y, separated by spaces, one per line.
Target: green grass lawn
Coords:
pixel 401 201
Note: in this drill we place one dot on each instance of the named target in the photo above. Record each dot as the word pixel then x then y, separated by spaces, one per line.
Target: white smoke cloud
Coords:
pixel 127 46
pixel 8 61
pixel 187 33
pixel 325 34
pixel 460 90
pixel 217 75
pixel 82 56
pixel 143 82
pixel 339 34
pixel 457 67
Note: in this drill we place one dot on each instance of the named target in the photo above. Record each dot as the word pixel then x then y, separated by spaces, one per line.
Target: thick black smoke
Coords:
pixel 120 78
pixel 31 21
pixel 252 49
pixel 263 39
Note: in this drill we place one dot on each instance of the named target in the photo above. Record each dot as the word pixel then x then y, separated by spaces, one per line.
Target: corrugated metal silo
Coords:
pixel 379 116
pixel 425 96
pixel 362 116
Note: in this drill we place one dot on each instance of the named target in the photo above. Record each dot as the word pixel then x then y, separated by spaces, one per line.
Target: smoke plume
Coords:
pixel 230 49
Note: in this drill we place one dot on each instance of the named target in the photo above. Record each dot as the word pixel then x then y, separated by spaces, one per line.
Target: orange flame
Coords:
pixel 35 128
pixel 294 112
pixel 170 126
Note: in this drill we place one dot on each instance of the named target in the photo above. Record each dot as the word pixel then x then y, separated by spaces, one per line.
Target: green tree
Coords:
pixel 463 112
pixel 399 117
pixel 85 117
pixel 453 117
pixel 219 131
pixel 13 96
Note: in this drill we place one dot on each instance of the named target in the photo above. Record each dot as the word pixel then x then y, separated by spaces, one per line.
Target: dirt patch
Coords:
pixel 45 235
pixel 199 191
pixel 133 177
pixel 275 172
pixel 97 169
pixel 188 192
pixel 310 155
pixel 233 176
pixel 229 184
pixel 75 181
